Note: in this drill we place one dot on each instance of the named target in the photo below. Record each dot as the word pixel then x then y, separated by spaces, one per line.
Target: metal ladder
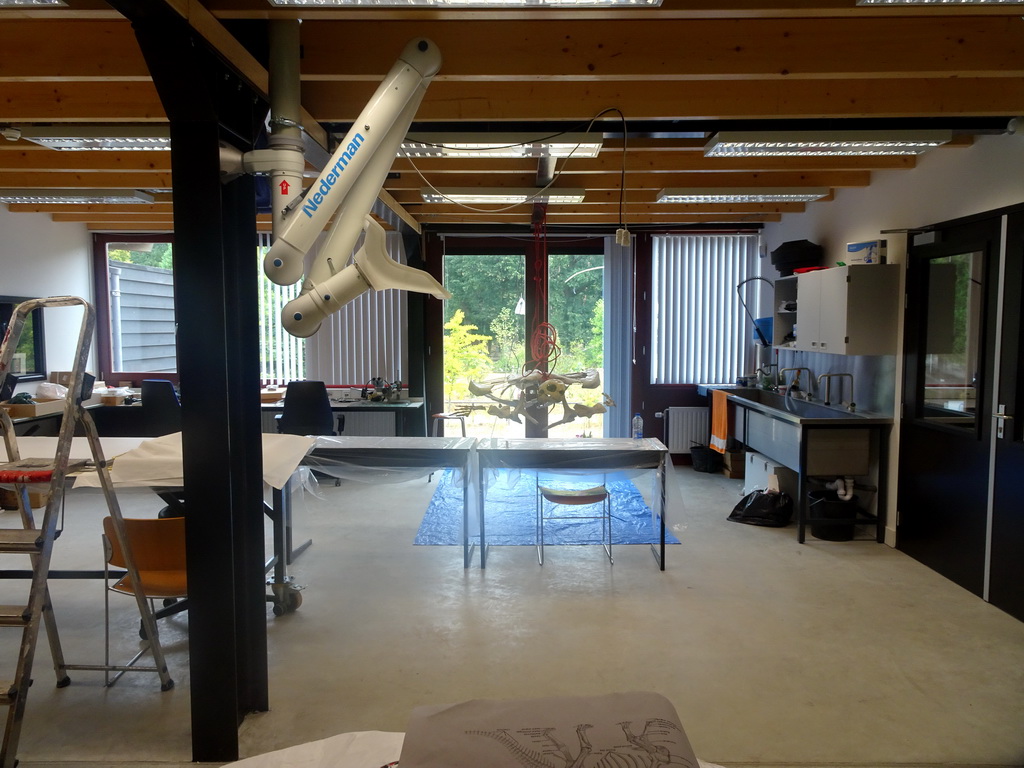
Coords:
pixel 37 540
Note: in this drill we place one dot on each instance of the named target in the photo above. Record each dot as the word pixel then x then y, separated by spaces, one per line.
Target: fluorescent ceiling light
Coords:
pixel 940 2
pixel 822 143
pixel 107 137
pixel 500 145
pixel 502 195
pixel 82 196
pixel 470 3
pixel 746 195
pixel 33 4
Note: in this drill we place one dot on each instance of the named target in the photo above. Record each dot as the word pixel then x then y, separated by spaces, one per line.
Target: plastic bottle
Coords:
pixel 638 426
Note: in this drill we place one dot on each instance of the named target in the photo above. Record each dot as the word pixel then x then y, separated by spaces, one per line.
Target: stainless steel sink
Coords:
pixel 800 411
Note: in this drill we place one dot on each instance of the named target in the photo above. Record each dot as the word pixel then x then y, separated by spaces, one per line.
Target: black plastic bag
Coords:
pixel 764 508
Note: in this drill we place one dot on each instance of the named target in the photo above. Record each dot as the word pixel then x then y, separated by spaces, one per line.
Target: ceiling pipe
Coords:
pixel 285 117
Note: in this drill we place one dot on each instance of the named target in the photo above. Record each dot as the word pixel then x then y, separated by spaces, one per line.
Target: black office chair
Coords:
pixel 161 409
pixel 307 411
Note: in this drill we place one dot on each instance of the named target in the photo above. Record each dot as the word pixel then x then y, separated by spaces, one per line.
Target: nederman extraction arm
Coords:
pixel 348 186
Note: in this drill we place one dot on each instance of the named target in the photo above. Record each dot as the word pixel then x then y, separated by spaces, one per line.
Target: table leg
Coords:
pixel 659 551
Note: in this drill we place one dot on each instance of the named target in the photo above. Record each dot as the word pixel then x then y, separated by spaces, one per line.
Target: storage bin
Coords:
pixel 827 505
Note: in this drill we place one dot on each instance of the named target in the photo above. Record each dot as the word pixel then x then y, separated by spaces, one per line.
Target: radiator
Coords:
pixel 684 427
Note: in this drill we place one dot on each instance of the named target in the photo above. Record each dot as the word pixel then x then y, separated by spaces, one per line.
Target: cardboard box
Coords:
pixel 9 499
pixel 29 410
pixel 734 464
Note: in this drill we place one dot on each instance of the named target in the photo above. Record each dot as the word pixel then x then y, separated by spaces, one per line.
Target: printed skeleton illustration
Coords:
pixel 541 748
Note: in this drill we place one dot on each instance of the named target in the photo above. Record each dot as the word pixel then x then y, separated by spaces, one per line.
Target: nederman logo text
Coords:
pixel 327 182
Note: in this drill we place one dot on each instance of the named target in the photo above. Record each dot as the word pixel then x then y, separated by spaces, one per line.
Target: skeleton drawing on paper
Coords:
pixel 541 747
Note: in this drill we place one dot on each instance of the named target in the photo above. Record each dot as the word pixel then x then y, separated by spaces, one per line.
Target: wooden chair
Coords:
pixel 158 551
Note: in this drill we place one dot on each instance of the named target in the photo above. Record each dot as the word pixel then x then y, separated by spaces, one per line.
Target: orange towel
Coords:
pixel 719 419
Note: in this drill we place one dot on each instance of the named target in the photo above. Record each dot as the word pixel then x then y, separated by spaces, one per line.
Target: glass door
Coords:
pixel 961 440
pixel 484 340
pixel 576 312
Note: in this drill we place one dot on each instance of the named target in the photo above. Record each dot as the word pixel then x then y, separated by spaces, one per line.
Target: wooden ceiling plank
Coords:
pixel 695 100
pixel 133 210
pixel 56 180
pixel 648 207
pixel 572 217
pixel 40 50
pixel 678 49
pixel 53 160
pixel 669 9
pixel 611 181
pixel 648 162
pixel 81 102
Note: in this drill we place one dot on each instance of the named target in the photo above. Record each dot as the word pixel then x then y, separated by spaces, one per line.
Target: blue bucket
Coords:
pixel 767 326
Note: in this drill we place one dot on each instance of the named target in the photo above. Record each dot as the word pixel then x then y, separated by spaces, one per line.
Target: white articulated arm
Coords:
pixel 349 185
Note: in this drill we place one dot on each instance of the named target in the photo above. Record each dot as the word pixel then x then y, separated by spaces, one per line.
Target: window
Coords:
pixel 135 306
pixel 700 333
pixel 29 360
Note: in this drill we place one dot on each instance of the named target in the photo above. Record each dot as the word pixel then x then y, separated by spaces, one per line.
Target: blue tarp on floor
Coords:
pixel 511 514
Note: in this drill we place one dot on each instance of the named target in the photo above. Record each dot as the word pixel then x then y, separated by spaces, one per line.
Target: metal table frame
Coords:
pixel 424 453
pixel 594 454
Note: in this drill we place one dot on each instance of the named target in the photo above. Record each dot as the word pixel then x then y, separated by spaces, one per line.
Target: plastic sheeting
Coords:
pixel 511 512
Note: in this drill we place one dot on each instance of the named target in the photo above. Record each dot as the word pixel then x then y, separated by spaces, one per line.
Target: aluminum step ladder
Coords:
pixel 37 540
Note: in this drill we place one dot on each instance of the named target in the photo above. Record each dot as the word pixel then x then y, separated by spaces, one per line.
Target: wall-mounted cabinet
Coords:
pixel 849 310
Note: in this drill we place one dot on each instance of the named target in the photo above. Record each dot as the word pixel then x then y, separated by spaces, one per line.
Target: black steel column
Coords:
pixel 215 269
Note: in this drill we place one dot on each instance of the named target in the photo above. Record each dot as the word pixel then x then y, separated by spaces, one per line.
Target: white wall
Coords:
pixel 39 257
pixel 946 184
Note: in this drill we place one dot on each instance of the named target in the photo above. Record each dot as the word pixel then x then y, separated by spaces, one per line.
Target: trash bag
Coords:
pixel 768 508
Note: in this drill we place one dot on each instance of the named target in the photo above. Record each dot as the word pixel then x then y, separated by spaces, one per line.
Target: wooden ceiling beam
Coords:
pixel 646 162
pixel 81 102
pixel 53 160
pixel 41 50
pixel 695 100
pixel 576 217
pixel 670 9
pixel 612 181
pixel 645 207
pixel 58 180
pixel 630 212
pixel 126 210
pixel 666 49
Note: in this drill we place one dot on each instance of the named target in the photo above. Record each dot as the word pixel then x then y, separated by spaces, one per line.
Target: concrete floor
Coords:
pixel 774 653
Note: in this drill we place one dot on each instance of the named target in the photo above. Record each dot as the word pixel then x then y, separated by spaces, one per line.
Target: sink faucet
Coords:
pixel 810 379
pixel 828 386
pixel 767 380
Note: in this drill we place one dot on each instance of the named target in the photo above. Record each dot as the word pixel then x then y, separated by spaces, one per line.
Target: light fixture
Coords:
pixel 92 137
pixel 940 2
pixel 500 145
pixel 470 3
pixel 33 4
pixel 742 195
pixel 502 195
pixel 79 196
pixel 821 143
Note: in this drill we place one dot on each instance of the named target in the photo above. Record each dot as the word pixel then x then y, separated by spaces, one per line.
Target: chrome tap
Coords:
pixel 767 380
pixel 810 380
pixel 828 387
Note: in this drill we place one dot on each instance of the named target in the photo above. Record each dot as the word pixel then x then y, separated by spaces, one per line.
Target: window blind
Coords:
pixel 699 331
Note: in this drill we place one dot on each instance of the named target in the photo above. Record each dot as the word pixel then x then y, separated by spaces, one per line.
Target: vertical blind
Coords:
pixel 699 331
pixel 367 338
pixel 282 356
